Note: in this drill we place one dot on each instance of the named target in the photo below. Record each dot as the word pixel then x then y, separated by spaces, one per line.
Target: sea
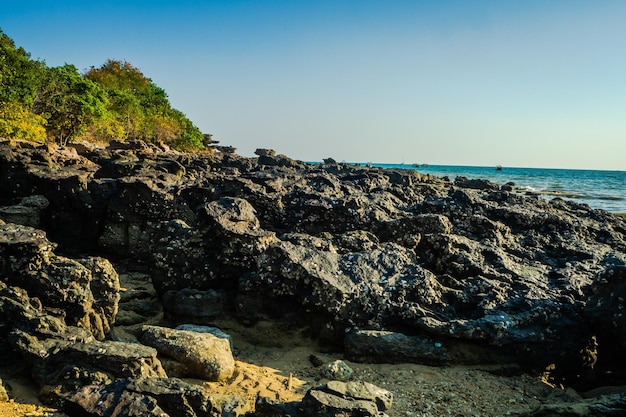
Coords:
pixel 599 189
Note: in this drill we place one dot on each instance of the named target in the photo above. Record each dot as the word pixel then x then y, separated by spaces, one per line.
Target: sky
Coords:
pixel 520 83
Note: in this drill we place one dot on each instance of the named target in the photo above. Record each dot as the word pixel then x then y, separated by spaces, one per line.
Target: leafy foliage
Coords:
pixel 20 76
pixel 17 122
pixel 69 102
pixel 142 109
pixel 114 101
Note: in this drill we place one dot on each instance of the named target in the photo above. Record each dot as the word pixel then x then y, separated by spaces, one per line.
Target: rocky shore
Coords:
pixel 136 280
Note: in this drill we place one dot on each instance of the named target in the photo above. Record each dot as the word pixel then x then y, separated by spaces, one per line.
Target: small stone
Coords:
pixel 337 370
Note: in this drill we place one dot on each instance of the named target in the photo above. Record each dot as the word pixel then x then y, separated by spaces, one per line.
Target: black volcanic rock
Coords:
pixel 158 397
pixel 343 247
pixel 84 291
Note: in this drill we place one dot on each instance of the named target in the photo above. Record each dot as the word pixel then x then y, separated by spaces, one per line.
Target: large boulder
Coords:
pixel 350 289
pixel 203 354
pixel 84 291
pixel 65 357
pixel 213 255
pixel 157 397
pixel 67 366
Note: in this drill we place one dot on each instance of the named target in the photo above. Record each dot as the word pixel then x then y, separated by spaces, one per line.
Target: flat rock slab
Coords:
pixel 391 347
pixel 613 405
pixel 205 355
pixel 152 397
pixel 116 359
pixel 347 399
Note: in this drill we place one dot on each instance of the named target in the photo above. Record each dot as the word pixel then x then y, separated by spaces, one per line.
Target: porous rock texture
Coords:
pixel 466 271
pixel 157 397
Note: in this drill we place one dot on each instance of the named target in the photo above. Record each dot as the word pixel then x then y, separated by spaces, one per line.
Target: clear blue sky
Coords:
pixel 516 83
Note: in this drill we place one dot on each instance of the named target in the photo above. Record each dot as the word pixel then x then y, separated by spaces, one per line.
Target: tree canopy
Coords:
pixel 20 76
pixel 113 101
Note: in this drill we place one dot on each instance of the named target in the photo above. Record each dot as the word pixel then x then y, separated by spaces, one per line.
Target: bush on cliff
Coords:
pixel 18 122
pixel 140 109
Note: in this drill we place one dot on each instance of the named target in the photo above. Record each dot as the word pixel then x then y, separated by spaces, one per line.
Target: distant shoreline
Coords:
pixel 600 189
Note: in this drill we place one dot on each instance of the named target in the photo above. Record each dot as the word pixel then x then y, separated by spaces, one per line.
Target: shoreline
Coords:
pixel 549 183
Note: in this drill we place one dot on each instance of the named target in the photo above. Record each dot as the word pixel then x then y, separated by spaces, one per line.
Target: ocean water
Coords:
pixel 599 189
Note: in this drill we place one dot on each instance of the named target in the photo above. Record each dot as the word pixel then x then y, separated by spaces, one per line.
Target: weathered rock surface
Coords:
pixel 157 397
pixel 27 212
pixel 64 357
pixel 57 312
pixel 389 347
pixel 204 355
pixel 349 399
pixel 337 370
pixel 612 405
pixel 195 304
pixel 84 291
pixel 337 247
pixel 138 300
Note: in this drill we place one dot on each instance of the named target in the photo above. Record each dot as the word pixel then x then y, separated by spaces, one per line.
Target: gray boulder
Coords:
pixel 207 329
pixel 346 399
pixel 348 289
pixel 214 255
pixel 204 355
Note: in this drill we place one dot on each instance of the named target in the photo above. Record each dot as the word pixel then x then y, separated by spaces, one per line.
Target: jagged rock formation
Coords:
pixel 448 272
pixel 84 291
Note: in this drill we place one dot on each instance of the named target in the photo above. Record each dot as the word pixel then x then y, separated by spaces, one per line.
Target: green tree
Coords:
pixel 69 102
pixel 142 108
pixel 120 75
pixel 190 137
pixel 20 76
pixel 126 88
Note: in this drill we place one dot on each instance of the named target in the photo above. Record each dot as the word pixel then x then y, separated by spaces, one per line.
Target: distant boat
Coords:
pixel 498 167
